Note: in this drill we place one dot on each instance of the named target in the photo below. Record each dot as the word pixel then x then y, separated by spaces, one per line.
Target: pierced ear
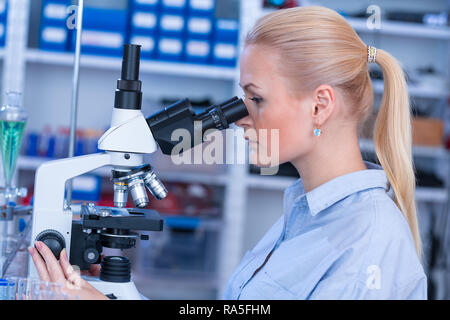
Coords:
pixel 324 98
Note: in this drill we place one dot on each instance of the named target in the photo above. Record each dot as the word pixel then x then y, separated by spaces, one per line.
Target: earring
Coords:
pixel 317 132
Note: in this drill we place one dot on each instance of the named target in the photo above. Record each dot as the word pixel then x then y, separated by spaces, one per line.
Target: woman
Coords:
pixel 349 230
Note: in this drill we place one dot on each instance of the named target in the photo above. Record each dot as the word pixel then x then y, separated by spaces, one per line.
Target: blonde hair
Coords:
pixel 317 44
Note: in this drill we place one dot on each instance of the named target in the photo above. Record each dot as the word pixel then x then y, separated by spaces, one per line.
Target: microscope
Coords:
pixel 130 137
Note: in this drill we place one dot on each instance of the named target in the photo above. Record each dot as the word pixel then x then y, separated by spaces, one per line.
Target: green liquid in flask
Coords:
pixel 11 133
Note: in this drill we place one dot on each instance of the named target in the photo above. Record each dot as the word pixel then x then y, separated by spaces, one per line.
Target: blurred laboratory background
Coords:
pixel 190 48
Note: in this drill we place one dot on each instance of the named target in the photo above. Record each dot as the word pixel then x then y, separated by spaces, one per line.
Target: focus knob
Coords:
pixel 91 255
pixel 53 240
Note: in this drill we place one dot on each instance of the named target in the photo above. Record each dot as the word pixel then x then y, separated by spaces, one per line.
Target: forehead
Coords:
pixel 258 64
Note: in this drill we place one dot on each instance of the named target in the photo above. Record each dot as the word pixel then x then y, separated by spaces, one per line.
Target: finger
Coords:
pixel 74 280
pixel 39 264
pixel 54 269
pixel 65 264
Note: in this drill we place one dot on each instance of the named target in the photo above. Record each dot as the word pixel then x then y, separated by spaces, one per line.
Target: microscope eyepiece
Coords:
pixel 128 93
pixel 181 115
pixel 221 116
pixel 130 62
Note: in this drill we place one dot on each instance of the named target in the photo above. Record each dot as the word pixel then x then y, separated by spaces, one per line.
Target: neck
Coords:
pixel 329 160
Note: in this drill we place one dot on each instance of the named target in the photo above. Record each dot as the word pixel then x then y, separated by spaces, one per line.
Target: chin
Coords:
pixel 254 159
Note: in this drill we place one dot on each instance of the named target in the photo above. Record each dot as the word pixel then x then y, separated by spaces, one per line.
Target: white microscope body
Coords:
pixel 125 144
pixel 130 137
pixel 124 152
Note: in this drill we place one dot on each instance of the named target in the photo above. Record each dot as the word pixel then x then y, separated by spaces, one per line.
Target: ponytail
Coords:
pixel 393 141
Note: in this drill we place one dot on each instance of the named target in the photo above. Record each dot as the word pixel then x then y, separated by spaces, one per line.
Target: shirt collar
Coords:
pixel 340 187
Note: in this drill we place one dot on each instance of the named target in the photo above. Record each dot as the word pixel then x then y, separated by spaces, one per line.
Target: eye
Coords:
pixel 256 100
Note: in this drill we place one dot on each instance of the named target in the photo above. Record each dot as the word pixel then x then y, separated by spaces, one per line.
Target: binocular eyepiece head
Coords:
pixel 181 115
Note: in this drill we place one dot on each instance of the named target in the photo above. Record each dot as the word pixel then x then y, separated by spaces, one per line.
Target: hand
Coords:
pixel 49 269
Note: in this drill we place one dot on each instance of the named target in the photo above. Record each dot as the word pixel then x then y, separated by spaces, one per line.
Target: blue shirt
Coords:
pixel 345 239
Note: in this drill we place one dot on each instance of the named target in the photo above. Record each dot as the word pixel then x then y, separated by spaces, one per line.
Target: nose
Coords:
pixel 244 122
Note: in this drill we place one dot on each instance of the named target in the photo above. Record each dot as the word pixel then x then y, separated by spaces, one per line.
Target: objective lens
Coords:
pixel 155 186
pixel 138 192
pixel 120 194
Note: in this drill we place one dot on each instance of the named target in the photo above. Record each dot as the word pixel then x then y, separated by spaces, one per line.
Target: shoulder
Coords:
pixel 378 244
pixel 370 217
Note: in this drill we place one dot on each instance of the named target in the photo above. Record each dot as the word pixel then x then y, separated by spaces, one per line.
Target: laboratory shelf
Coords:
pixel 395 28
pixel 426 194
pixel 32 163
pixel 435 195
pixel 147 67
pixel 367 145
pixel 421 91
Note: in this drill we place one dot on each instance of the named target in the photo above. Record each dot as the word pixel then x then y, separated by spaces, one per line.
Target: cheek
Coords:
pixel 293 130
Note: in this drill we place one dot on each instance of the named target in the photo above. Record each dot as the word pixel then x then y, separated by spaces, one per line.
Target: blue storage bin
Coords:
pixel 225 54
pixel 54 34
pixel 87 188
pixel 99 42
pixel 54 12
pixel 202 7
pixel 198 51
pixel 170 49
pixel 174 6
pixel 226 30
pixel 2 33
pixel 172 25
pixel 144 22
pixel 3 10
pixel 54 38
pixel 145 5
pixel 105 19
pixel 104 31
pixel 147 42
pixel 199 27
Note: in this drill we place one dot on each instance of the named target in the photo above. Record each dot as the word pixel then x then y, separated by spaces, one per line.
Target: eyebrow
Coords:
pixel 248 85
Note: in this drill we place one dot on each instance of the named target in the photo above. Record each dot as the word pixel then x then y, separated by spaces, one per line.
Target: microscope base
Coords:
pixel 122 291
